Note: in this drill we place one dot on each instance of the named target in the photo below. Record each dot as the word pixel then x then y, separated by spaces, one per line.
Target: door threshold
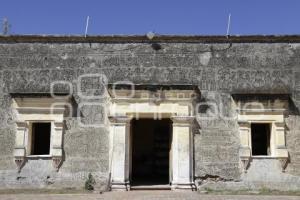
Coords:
pixel 151 187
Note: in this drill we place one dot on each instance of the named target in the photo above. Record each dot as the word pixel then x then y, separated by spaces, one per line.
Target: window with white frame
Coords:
pixel 261 126
pixel 261 139
pixel 39 138
pixel 39 123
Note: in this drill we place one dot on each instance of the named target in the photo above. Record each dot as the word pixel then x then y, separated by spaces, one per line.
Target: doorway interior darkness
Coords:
pixel 151 145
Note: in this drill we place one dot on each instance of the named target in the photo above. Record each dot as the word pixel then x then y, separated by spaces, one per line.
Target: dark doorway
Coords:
pixel 151 144
pixel 260 134
pixel 41 138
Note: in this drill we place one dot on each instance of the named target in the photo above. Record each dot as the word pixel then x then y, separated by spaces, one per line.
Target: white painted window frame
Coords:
pixel 28 140
pixel 33 109
pixel 277 140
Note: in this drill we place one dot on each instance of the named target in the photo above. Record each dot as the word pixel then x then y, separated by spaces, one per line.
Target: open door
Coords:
pixel 151 147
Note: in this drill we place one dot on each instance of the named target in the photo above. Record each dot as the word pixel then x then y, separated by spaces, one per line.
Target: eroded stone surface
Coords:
pixel 217 70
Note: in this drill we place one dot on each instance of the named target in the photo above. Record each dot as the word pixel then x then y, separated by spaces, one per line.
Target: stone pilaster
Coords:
pixel 245 146
pixel 182 153
pixel 120 130
pixel 57 150
pixel 20 144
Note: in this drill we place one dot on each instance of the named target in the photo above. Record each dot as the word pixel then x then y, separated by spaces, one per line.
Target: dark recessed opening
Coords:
pixel 260 135
pixel 41 138
pixel 151 140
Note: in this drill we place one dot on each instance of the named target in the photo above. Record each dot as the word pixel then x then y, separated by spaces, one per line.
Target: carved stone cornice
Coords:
pixel 183 119
pixel 243 123
pixel 59 124
pixel 119 119
pixel 22 124
pixel 279 124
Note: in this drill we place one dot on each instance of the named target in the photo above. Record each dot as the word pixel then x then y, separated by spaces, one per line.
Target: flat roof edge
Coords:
pixel 144 39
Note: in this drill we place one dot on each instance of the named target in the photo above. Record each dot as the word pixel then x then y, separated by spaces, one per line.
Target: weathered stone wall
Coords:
pixel 219 70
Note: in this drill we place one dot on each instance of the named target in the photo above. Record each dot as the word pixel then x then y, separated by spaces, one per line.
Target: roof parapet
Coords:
pixel 144 39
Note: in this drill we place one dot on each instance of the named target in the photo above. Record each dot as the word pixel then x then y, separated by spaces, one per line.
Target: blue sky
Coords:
pixel 206 17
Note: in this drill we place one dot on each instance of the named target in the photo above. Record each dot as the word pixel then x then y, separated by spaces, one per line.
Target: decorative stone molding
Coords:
pixel 20 162
pixel 283 163
pixel 30 110
pixel 158 97
pixel 245 162
pixel 184 186
pixel 257 112
pixel 183 119
pixel 283 157
pixel 182 153
pixel 119 119
pixel 57 149
pixel 119 148
pixel 57 161
pixel 245 156
pixel 20 146
pixel 173 104
pixel 120 186
pixel 243 123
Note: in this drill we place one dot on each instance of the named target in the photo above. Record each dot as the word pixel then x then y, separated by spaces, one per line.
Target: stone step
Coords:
pixel 150 187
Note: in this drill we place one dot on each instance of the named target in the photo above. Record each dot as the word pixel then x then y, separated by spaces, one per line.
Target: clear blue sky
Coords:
pixel 160 16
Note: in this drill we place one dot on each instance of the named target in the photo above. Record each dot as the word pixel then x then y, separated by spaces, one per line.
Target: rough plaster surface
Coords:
pixel 217 69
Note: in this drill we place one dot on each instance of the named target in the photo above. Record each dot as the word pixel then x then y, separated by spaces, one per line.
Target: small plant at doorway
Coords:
pixel 90 182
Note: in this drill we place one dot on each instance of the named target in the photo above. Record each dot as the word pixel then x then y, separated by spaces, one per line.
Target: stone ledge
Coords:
pixel 144 39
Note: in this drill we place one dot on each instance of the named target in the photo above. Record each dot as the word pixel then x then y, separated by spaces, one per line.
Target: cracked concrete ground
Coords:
pixel 141 195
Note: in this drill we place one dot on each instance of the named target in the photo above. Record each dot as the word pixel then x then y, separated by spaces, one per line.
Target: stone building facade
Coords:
pixel 191 111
